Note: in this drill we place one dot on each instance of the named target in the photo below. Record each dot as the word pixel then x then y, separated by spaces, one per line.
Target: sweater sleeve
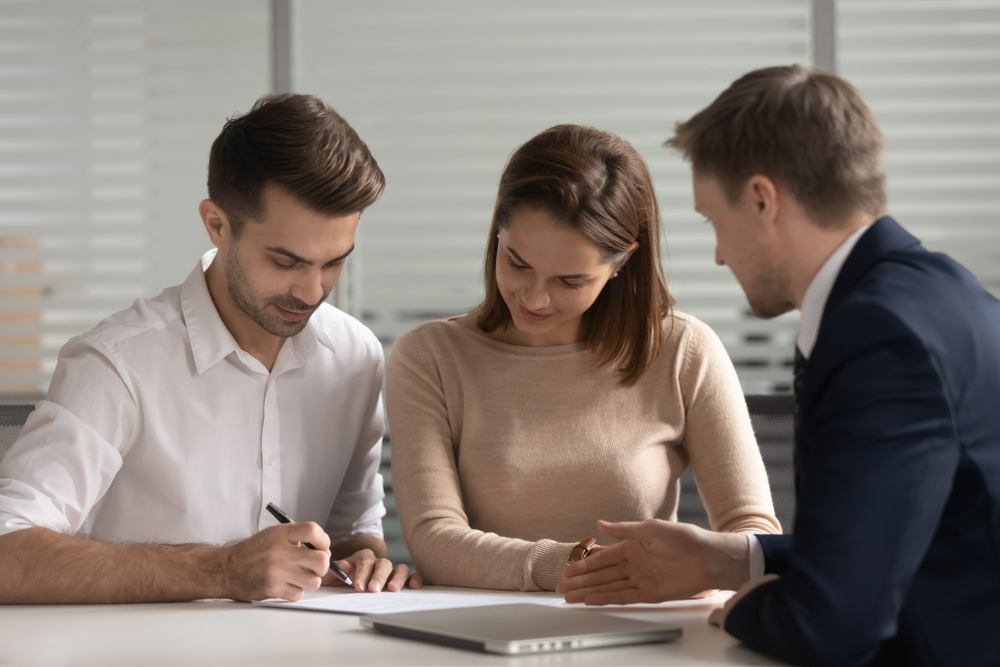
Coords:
pixel 445 549
pixel 719 438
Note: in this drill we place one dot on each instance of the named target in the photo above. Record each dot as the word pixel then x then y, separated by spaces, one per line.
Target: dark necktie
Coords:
pixel 798 375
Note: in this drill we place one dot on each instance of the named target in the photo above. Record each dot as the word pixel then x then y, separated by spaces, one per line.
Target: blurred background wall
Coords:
pixel 108 108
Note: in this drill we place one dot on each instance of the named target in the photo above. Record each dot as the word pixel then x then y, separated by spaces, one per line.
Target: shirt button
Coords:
pixel 270 460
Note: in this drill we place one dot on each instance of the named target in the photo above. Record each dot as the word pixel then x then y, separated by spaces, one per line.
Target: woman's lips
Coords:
pixel 532 315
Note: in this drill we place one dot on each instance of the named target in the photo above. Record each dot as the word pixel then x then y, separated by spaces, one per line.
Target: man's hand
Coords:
pixel 720 614
pixel 656 561
pixel 275 564
pixel 373 574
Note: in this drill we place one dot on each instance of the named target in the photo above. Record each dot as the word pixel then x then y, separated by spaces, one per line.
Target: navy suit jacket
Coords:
pixel 895 557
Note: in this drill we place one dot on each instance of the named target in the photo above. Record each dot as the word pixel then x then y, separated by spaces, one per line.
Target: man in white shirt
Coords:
pixel 168 428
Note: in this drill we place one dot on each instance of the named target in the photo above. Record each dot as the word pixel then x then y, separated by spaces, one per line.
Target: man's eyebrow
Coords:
pixel 303 260
pixel 575 276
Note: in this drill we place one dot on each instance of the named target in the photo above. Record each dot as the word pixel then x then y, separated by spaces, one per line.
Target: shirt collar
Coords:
pixel 211 340
pixel 818 292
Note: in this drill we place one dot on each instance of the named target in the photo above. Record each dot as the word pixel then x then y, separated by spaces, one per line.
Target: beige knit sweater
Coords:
pixel 505 456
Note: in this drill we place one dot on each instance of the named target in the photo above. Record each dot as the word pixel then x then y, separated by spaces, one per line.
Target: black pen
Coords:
pixel 284 518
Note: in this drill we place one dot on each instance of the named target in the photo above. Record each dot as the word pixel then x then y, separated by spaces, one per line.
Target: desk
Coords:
pixel 229 633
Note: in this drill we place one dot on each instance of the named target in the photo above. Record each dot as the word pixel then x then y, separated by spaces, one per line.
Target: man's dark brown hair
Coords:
pixel 804 128
pixel 300 144
pixel 596 183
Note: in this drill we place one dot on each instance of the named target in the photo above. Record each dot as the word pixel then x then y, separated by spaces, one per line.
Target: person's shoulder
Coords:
pixel 339 331
pixel 431 339
pixel 681 330
pixel 143 316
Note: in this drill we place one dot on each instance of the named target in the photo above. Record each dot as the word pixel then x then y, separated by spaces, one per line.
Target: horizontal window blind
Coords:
pixel 107 112
pixel 443 91
pixel 930 71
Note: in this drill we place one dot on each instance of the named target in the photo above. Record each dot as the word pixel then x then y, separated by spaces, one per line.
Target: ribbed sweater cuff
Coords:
pixel 547 562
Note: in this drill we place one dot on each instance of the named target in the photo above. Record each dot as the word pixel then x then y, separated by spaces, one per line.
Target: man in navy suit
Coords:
pixel 895 557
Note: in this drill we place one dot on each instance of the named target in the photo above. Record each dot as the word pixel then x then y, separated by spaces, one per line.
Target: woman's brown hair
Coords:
pixel 596 183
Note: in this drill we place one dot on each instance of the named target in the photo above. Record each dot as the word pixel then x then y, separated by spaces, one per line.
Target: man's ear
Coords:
pixel 216 222
pixel 764 197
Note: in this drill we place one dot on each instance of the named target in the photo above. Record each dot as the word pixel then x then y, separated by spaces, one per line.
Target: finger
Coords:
pixel 304 581
pixel 607 557
pixel 291 593
pixel 364 565
pixel 622 530
pixel 705 594
pixel 310 532
pixel 717 617
pixel 300 558
pixel 591 579
pixel 398 578
pixel 416 581
pixel 611 587
pixel 380 574
pixel 289 583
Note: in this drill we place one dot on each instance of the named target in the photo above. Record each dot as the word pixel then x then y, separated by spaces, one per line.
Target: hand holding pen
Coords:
pixel 284 518
pixel 369 571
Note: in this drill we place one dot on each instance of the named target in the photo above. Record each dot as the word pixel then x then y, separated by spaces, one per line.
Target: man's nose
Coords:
pixel 309 289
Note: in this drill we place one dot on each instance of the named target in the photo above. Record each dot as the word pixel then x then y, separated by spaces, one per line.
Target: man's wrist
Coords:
pixel 213 574
pixel 730 560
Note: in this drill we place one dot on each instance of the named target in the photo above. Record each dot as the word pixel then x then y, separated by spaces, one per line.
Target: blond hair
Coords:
pixel 805 128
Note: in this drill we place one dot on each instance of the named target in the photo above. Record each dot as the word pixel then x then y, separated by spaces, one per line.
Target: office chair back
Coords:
pixel 12 418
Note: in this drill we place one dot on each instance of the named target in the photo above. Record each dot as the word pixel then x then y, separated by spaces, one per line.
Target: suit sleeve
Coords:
pixel 876 462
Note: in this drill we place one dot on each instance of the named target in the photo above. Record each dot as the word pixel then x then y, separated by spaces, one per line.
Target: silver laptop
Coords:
pixel 519 628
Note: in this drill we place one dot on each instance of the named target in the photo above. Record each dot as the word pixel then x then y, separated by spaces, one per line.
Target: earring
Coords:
pixel 616 275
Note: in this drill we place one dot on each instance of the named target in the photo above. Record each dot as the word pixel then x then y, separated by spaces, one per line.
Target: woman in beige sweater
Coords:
pixel 573 393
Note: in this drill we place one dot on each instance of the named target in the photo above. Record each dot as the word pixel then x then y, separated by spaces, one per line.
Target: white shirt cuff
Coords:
pixel 756 558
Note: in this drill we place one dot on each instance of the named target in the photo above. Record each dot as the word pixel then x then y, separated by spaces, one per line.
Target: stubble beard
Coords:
pixel 772 291
pixel 244 296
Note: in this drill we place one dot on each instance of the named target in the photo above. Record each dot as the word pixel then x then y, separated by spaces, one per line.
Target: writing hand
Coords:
pixel 274 564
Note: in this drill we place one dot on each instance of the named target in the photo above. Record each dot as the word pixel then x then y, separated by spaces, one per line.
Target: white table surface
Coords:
pixel 218 632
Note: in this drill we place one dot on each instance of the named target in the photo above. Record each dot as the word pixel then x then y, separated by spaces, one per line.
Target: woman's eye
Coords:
pixel 574 285
pixel 511 263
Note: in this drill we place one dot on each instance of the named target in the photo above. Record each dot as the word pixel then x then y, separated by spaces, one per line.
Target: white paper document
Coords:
pixel 349 602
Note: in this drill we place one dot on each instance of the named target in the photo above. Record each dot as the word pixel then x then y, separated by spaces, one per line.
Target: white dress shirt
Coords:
pixel 813 305
pixel 157 427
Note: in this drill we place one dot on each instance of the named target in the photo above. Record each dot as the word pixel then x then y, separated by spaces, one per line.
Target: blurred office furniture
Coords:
pixel 13 414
